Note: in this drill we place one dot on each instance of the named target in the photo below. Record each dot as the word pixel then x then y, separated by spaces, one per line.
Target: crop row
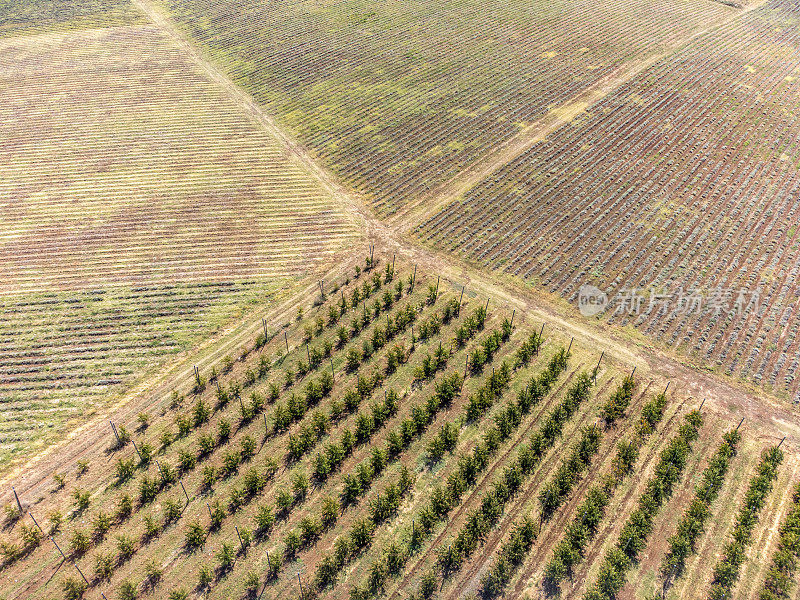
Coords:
pixel 306 533
pixel 400 136
pixel 470 465
pixel 722 152
pixel 551 496
pixel 360 478
pixel 188 120
pixel 726 571
pixel 102 521
pixel 571 549
pixel 294 407
pixel 331 565
pixel 780 578
pixel 683 543
pixel 481 520
pixel 638 526
pixel 207 444
pixel 554 492
pixel 34 16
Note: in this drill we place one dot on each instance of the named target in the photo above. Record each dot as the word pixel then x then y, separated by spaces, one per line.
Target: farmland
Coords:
pixel 689 172
pixel 407 411
pixel 143 211
pixel 288 298
pixel 23 17
pixel 398 98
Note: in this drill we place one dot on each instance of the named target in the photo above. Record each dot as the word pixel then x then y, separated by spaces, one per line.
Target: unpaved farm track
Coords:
pixel 723 395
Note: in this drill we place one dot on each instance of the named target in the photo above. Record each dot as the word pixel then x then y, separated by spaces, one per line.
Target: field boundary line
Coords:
pixel 725 394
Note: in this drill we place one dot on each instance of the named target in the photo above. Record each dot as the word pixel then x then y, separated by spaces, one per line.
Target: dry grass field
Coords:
pixel 398 98
pixel 143 210
pixel 25 17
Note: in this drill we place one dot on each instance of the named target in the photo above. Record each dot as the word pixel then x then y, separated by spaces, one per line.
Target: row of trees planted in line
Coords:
pixel 726 571
pixel 584 527
pixel 397 442
pixel 358 482
pixel 421 416
pixel 682 544
pixel 633 537
pixel 285 413
pixel 308 435
pixel 484 397
pixel 781 575
pixel 167 475
pixel 513 552
pixel 481 520
pixel 355 484
pixel 470 465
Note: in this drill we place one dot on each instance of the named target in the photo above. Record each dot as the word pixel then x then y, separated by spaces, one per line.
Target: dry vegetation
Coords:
pixel 685 178
pixel 142 211
pixel 26 17
pixel 397 98
pixel 407 430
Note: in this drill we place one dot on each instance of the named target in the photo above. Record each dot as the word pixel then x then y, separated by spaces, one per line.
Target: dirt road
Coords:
pixel 723 396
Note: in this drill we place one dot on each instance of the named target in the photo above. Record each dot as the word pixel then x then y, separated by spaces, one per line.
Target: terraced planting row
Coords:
pixel 399 98
pixel 678 188
pixel 143 211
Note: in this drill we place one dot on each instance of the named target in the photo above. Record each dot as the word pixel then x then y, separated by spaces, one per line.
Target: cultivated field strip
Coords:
pixel 133 167
pixel 399 98
pixel 28 17
pixel 531 486
pixel 410 457
pixel 531 568
pixel 66 352
pixel 676 181
pixel 142 211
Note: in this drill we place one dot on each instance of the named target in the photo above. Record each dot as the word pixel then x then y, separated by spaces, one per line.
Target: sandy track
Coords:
pixel 725 398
